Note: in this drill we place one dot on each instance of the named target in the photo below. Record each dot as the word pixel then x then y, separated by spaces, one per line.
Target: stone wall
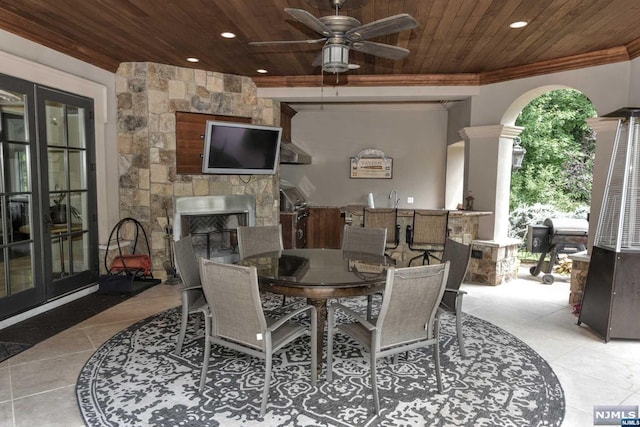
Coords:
pixel 493 263
pixel 579 272
pixel 148 96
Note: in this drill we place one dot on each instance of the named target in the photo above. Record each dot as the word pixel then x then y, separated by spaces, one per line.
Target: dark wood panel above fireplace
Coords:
pixel 190 139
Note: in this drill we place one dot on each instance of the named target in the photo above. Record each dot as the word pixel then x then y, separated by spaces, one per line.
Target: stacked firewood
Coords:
pixel 563 265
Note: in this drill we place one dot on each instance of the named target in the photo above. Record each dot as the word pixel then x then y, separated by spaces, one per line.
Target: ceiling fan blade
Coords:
pixel 287 42
pixel 380 49
pixel 310 21
pixel 382 27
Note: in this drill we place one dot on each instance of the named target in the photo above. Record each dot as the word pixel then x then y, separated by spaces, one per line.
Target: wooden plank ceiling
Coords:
pixel 456 41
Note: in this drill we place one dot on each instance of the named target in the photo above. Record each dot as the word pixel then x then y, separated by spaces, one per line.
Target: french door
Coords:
pixel 67 190
pixel 48 230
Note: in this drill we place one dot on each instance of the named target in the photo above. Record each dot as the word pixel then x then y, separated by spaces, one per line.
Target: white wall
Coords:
pixel 29 61
pixel 454 194
pixel 634 90
pixel 607 86
pixel 414 135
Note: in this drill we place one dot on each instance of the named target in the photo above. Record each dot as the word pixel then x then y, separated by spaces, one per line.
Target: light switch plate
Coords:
pixel 409 199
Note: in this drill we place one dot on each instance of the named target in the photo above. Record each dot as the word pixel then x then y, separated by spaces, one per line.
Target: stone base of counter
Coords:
pixel 494 263
pixel 579 271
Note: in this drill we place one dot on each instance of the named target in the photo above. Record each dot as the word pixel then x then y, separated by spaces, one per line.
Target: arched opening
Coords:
pixel 556 177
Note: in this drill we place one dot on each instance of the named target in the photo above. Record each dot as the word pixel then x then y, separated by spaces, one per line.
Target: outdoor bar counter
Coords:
pixel 492 263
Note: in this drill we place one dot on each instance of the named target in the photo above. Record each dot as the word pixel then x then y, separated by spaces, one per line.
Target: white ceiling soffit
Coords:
pixel 371 106
pixel 341 94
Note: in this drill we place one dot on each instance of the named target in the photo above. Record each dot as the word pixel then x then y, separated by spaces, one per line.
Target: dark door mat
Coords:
pixel 20 336
pixel 114 284
pixel 8 349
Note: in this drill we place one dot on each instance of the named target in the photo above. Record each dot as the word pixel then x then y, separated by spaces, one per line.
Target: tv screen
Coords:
pixel 240 148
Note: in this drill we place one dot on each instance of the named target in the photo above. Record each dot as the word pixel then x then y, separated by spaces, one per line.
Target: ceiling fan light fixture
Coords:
pixel 335 58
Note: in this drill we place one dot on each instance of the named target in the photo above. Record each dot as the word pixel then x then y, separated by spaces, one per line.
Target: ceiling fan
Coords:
pixel 342 33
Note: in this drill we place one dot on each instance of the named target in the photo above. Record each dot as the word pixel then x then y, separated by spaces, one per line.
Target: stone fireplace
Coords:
pixel 212 221
pixel 149 95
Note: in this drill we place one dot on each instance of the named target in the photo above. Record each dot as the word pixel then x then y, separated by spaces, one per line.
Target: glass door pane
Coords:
pixel 20 284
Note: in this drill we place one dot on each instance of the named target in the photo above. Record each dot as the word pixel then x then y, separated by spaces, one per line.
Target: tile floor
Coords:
pixel 37 387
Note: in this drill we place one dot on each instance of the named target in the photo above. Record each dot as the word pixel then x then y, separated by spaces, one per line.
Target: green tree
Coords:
pixel 557 167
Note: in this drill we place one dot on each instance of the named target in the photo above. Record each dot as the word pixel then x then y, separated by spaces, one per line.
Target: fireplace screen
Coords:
pixel 214 235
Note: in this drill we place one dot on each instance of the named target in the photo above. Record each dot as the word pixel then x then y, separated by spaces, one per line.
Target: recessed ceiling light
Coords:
pixel 228 35
pixel 262 71
pixel 519 24
pixel 192 59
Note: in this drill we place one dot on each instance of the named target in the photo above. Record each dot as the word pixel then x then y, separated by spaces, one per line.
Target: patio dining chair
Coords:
pixel 369 241
pixel 193 301
pixel 383 218
pixel 408 319
pixel 458 255
pixel 366 241
pixel 428 233
pixel 236 320
pixel 254 240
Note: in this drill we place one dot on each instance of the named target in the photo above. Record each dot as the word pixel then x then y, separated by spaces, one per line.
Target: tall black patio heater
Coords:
pixel 611 300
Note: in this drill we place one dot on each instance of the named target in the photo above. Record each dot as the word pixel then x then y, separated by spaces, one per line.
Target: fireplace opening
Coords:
pixel 212 222
pixel 214 235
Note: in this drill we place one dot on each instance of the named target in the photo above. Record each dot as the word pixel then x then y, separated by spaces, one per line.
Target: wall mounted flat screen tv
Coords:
pixel 240 148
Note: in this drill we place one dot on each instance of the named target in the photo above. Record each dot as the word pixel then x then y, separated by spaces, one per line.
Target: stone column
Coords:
pixel 488 152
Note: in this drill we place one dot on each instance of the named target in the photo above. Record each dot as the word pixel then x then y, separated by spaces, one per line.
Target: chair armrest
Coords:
pixel 284 319
pixel 364 322
pixel 457 291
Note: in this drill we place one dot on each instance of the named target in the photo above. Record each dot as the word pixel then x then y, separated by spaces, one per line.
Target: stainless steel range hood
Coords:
pixel 293 155
pixel 289 152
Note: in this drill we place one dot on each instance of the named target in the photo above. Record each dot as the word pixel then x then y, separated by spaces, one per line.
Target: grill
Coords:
pixel 553 237
pixel 293 217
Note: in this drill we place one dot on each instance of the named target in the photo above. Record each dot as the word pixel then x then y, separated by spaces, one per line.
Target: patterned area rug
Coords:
pixel 134 379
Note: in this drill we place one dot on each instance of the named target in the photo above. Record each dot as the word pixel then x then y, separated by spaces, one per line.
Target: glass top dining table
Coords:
pixel 318 275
